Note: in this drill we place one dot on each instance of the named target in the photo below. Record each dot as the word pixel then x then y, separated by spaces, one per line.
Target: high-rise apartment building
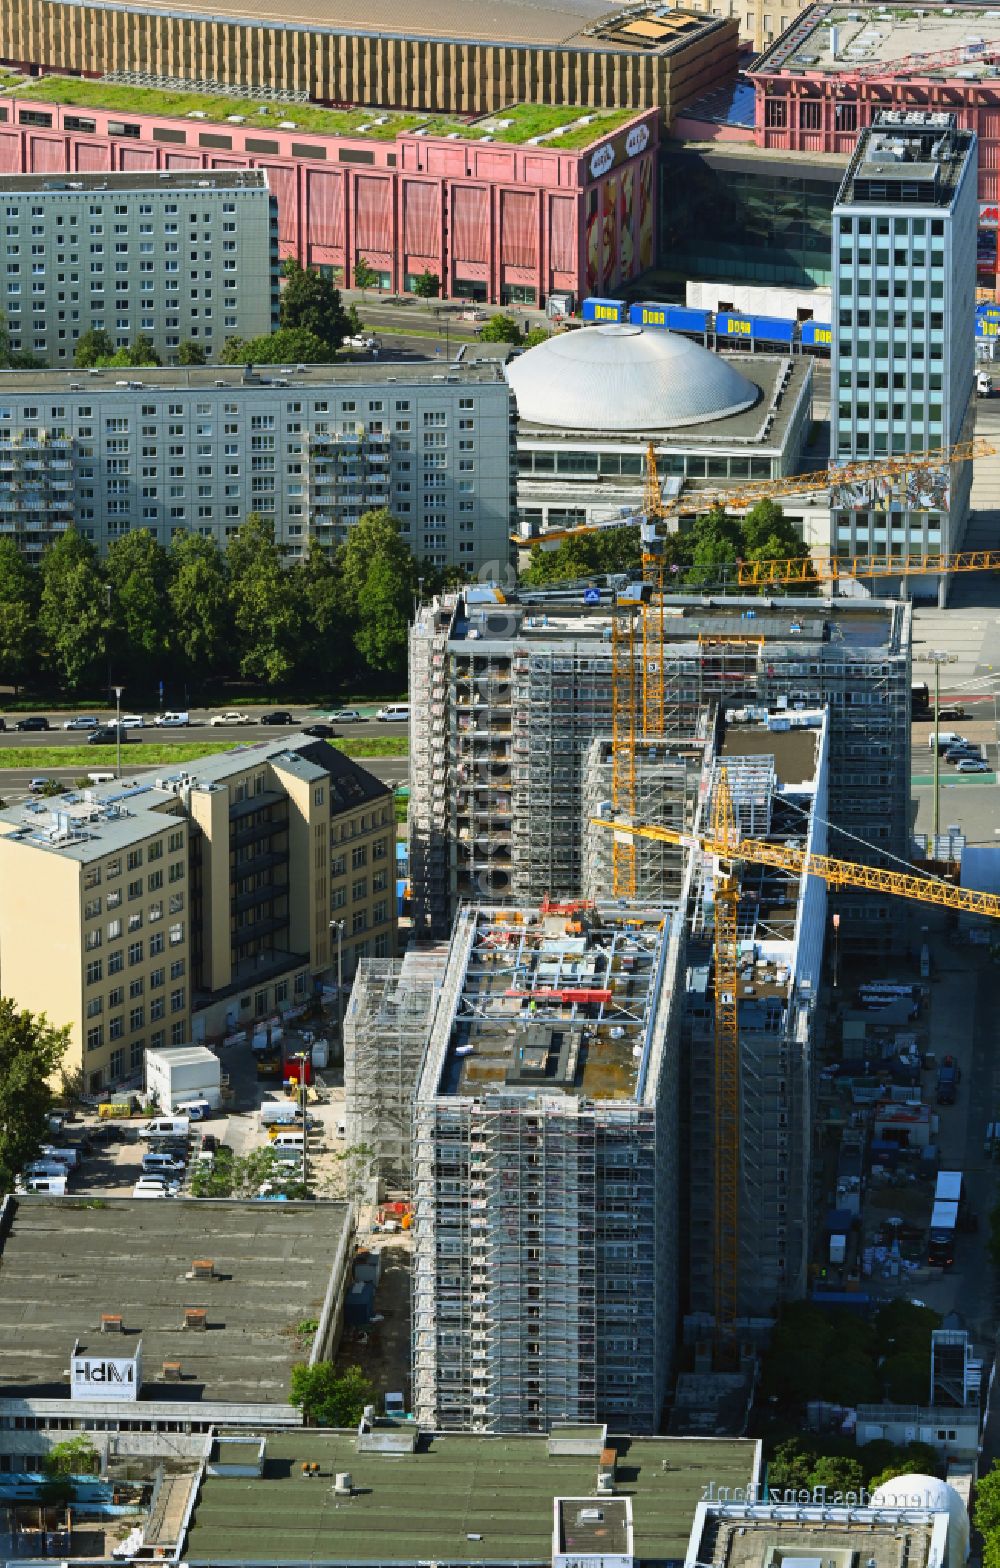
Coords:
pixel 310 448
pixel 507 699
pixel 904 277
pixel 175 257
pixel 545 1171
pixel 161 909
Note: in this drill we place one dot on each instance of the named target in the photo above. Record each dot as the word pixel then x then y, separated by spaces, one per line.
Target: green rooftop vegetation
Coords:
pixel 517 124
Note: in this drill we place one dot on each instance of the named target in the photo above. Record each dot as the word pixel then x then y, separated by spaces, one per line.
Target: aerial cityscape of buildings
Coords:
pixel 560 1037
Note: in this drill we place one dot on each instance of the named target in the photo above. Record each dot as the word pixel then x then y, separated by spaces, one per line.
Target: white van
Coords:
pixel 46 1167
pixel 149 1189
pixel 394 713
pixel 288 1140
pixel 63 1156
pixel 166 1127
pixel 162 1162
pixel 194 1110
pixel 101 776
pixel 55 1186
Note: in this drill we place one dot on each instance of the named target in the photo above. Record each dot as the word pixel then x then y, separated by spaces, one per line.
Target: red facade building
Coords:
pixel 501 223
pixel 837 66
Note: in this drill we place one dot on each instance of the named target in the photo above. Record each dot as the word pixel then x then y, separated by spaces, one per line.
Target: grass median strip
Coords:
pixel 89 758
pixel 157 754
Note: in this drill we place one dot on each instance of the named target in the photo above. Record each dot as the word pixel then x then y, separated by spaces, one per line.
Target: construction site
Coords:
pixel 546 1170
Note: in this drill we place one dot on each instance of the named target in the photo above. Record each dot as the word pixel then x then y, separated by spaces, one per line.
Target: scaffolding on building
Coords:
pixel 667 775
pixel 385 1033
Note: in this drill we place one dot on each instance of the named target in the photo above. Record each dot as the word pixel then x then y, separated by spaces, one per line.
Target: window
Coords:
pixel 176 873
pixel 94 971
pixel 359 856
pixel 775 113
pixel 177 1000
pixel 135 953
pixel 136 1019
pixel 116 962
pixel 134 859
pixel 176 933
pixel 95 1037
pixel 157 979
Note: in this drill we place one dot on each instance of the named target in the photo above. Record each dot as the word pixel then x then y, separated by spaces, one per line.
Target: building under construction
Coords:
pixel 509 697
pixel 546 1171
pixel 776 774
pixel 386 1026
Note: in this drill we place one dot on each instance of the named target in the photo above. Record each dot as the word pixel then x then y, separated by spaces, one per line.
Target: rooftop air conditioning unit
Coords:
pixel 342 1483
pixel 201 1268
pixel 111 1323
pixel 196 1318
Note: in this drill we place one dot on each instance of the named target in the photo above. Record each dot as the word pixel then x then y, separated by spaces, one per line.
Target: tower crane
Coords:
pixel 728 849
pixel 899 468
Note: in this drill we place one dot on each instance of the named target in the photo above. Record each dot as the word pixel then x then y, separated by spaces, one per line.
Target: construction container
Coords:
pixel 359 1305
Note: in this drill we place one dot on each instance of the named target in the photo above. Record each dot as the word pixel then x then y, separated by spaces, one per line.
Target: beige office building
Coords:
pixel 183 905
pixel 452 58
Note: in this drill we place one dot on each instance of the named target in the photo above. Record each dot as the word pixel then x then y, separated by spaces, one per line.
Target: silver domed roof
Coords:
pixel 625 378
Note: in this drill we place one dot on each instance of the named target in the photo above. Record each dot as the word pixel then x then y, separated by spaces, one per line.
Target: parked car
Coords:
pixel 346 716
pixel 394 713
pixel 81 721
pixel 321 731
pixel 961 753
pixel 171 720
pixel 231 716
pixel 3 725
pixel 36 786
pixel 278 716
pixel 34 721
pixel 972 765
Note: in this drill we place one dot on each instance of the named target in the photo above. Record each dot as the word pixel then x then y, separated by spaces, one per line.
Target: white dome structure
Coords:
pixel 625 378
pixel 926 1491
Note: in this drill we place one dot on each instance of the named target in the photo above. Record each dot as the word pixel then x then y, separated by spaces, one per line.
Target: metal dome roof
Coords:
pixel 624 378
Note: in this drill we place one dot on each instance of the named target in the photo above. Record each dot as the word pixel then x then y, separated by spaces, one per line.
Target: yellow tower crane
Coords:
pixel 729 850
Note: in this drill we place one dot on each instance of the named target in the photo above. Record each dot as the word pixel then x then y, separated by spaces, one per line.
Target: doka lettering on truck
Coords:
pixel 105 1377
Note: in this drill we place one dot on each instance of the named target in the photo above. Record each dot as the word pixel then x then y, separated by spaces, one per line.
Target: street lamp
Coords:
pixel 302 1057
pixel 338 926
pixel 937 658
pixel 118 731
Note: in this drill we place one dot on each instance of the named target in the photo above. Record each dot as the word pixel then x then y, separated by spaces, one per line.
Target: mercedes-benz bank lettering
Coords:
pixel 105 1377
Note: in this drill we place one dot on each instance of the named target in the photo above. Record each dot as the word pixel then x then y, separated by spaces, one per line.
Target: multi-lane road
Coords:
pixel 14 781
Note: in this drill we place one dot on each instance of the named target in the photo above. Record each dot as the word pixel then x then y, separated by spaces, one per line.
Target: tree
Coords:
pixel 790 1465
pixel 718 542
pixel 137 570
pixel 326 632
pixel 142 352
pixel 199 602
pixel 312 303
pixel 31 1050
pixel 289 346
pixel 74 1456
pixel 379 579
pixel 907 1377
pixel 837 1473
pixel 18 610
pixel 365 276
pixel 72 616
pixel 327 1397
pixel 986 1513
pixel 190 353
pixel 500 329
pixel 427 286
pixel 535 336
pixel 92 347
pixel 261 599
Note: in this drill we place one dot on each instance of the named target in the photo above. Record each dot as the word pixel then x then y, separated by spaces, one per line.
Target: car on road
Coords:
pixel 172 721
pixel 960 753
pixel 277 716
pixel 108 735
pixel 346 716
pixel 130 721
pixel 394 713
pixel 36 786
pixel 321 731
pixel 972 765
pixel 81 721
pixel 231 716
pixel 34 721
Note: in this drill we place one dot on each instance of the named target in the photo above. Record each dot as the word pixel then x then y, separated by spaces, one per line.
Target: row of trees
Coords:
pixel 808 1463
pixel 697 557
pixel 194 614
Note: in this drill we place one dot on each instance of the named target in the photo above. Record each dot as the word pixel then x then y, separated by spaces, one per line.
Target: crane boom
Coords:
pixel 838 873
pixel 805 570
pixel 862 471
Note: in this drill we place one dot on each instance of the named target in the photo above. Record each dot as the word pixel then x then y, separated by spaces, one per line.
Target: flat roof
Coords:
pixel 588 24
pixel 556 1003
pixel 868 625
pixel 65 1261
pixel 458 1497
pixel 265 378
pixel 785 1536
pixel 896 37
pixel 170 182
pixel 563 127
pixel 764 426
pixel 87 825
pixel 908 156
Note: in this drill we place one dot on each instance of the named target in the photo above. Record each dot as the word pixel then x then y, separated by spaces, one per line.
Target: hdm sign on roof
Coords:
pixel 105 1377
